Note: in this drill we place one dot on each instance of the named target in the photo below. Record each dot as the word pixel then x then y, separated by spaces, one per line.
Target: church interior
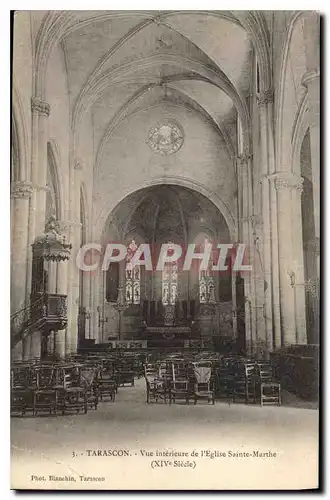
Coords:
pixel 165 127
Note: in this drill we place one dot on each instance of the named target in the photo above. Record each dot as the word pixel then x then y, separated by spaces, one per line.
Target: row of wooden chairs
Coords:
pixel 250 381
pixel 172 381
pixel 234 378
pixel 60 388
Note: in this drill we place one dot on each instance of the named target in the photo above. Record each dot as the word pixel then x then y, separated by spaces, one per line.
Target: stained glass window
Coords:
pixel 206 280
pixel 170 283
pixel 133 277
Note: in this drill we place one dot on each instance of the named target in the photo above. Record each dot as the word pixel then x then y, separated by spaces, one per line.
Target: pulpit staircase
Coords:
pixel 45 310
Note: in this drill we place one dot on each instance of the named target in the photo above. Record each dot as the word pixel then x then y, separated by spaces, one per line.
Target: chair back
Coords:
pixel 89 374
pixel 151 372
pixel 265 371
pixel 179 370
pixel 70 376
pixel 250 370
pixel 202 371
pixel 21 375
pixel 45 376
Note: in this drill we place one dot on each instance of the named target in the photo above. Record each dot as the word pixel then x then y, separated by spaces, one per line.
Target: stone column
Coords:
pixel 285 183
pixel 311 80
pixel 244 164
pixel 20 197
pixel 95 278
pixel 73 290
pixel 74 272
pixel 35 344
pixel 258 275
pixel 275 267
pixel 267 160
pixel 20 200
pixel 298 252
pixel 61 288
pixel 87 302
pixel 40 112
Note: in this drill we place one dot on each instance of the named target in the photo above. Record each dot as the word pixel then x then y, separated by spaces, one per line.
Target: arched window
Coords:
pixel 133 277
pixel 170 282
pixel 206 279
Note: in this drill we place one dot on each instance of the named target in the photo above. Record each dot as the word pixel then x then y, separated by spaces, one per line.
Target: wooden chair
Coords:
pixel 245 381
pixel 154 384
pixel 269 389
pixel 72 395
pixel 166 375
pixel 22 387
pixel 45 394
pixel 126 372
pixel 202 388
pixel 107 382
pixel 180 384
pixel 89 379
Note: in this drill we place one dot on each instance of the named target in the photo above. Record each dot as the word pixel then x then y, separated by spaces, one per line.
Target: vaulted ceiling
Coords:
pixel 160 214
pixel 121 62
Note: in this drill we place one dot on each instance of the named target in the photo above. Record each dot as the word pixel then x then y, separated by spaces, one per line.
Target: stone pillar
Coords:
pixel 74 272
pixel 20 194
pixel 285 183
pixel 73 290
pixel 258 275
pixel 267 162
pixel 61 288
pixel 244 164
pixel 275 268
pixel 95 278
pixel 17 353
pixel 311 80
pixel 35 344
pixel 298 252
pixel 87 302
pixel 40 113
pixel 20 200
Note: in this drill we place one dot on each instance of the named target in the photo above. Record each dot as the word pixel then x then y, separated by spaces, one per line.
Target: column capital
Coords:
pixel 287 180
pixel 39 106
pixel 310 76
pixel 21 189
pixel 265 96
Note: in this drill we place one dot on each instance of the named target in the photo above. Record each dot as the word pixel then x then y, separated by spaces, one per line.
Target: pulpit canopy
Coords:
pixel 52 245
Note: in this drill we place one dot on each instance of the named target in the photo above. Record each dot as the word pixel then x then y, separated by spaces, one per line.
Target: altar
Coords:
pixel 171 336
